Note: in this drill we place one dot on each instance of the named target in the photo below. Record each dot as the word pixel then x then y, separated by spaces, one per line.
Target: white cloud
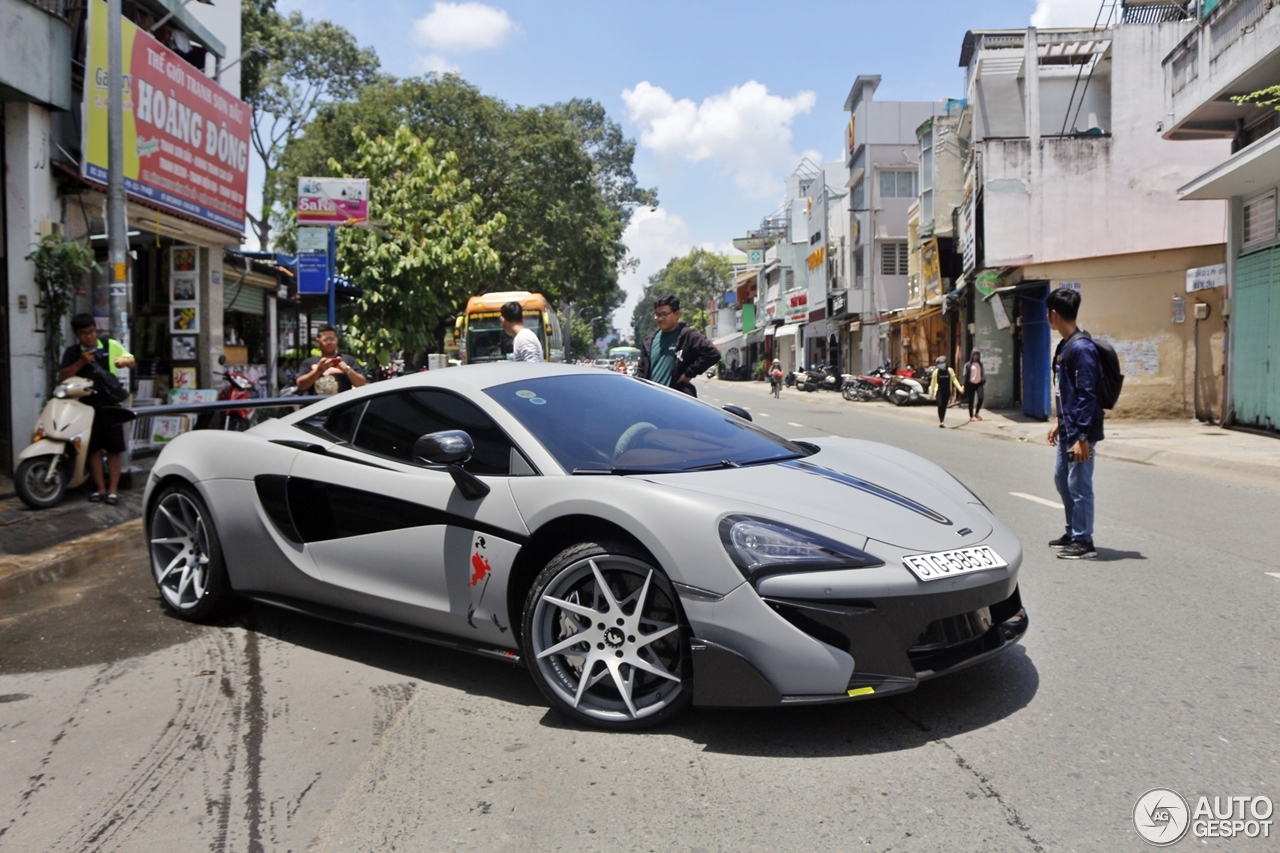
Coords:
pixel 654 237
pixel 462 27
pixel 1066 13
pixel 746 131
pixel 436 63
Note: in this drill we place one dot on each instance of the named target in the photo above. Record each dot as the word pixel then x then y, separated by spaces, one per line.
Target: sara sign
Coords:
pixel 186 140
pixel 333 201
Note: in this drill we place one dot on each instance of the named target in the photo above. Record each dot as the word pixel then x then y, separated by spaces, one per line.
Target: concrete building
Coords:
pixel 1233 49
pixel 1071 183
pixel 53 85
pixel 883 183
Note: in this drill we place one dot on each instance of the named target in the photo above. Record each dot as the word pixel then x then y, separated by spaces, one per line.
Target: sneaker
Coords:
pixel 1079 550
pixel 1061 542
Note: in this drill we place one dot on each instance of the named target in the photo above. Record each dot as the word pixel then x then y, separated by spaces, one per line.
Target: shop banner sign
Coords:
pixel 186 139
pixel 333 201
pixel 313 260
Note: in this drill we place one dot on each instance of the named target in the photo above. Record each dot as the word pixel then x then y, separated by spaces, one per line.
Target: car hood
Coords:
pixel 868 489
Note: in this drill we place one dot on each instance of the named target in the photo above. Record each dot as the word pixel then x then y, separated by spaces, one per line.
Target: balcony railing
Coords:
pixel 1233 22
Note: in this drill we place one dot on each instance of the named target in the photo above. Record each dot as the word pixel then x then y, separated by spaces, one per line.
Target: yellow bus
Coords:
pixel 483 339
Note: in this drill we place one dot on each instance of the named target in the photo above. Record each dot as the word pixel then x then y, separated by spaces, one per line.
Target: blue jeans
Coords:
pixel 1075 484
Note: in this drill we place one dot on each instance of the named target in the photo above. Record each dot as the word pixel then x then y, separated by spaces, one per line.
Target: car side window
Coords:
pixel 338 424
pixel 392 423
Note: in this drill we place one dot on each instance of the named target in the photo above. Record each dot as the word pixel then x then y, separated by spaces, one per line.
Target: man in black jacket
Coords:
pixel 674 354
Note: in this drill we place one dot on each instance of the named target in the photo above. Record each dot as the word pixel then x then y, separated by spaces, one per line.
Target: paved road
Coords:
pixel 123 729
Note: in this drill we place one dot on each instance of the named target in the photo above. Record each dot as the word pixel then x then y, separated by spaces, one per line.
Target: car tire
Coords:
pixel 186 556
pixel 631 668
pixel 29 481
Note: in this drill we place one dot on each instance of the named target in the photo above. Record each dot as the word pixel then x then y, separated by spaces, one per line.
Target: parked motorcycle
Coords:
pixel 237 386
pixel 904 388
pixel 867 386
pixel 57 458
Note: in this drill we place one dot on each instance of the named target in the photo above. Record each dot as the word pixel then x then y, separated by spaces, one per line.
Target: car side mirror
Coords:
pixel 444 448
pixel 737 410
pixel 451 448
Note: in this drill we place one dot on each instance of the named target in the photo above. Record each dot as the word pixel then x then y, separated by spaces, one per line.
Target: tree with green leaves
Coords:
pixel 695 279
pixel 292 66
pixel 1268 97
pixel 426 248
pixel 561 175
pixel 60 267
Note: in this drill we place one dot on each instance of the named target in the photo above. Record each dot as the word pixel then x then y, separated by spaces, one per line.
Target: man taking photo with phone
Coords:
pixel 330 372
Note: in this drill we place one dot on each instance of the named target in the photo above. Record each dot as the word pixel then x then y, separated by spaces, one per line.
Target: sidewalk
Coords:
pixel 1183 444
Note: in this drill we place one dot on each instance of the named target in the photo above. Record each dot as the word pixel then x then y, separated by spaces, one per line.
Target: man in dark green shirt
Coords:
pixel 674 354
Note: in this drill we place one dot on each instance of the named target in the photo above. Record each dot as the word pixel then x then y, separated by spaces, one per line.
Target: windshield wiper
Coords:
pixel 620 471
pixel 715 466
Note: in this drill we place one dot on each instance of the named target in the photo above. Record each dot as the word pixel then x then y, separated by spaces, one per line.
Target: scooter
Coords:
pixel 57 458
pixel 904 389
pixel 237 387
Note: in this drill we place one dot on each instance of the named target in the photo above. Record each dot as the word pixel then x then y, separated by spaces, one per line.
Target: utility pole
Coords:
pixel 117 228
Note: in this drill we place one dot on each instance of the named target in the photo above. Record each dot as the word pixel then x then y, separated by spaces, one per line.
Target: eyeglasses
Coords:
pixel 662 315
pixel 327 339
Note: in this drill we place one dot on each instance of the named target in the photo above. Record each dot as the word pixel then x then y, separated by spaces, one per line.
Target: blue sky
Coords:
pixel 724 98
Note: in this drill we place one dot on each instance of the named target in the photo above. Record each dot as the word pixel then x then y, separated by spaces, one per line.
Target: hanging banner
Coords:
pixel 186 139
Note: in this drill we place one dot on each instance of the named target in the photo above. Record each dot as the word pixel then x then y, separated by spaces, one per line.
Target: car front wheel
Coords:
pixel 186 557
pixel 604 639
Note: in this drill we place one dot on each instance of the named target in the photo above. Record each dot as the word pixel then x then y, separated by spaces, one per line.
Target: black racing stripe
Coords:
pixel 869 488
pixel 306 510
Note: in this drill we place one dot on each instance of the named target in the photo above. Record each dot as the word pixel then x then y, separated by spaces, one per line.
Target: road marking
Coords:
pixel 1039 500
pixel 1272 574
pixel 793 423
pixel 764 414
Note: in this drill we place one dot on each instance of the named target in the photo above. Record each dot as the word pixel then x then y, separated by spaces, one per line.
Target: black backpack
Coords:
pixel 1110 377
pixel 107 387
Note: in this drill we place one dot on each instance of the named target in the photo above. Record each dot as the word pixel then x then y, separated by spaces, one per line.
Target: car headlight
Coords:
pixel 759 547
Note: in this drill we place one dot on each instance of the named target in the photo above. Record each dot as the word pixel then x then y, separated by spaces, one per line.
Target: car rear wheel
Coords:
pixel 186 557
pixel 604 638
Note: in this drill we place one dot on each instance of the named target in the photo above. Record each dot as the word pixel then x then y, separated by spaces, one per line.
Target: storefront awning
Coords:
pixel 728 340
pixel 786 331
pixel 919 315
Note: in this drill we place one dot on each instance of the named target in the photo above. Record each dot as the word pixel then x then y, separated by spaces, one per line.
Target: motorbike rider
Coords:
pixel 84 358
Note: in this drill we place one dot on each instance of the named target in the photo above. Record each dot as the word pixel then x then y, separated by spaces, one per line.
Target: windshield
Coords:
pixel 613 423
pixel 487 342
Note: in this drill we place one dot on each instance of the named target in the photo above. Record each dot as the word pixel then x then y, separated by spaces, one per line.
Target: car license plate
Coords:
pixel 948 564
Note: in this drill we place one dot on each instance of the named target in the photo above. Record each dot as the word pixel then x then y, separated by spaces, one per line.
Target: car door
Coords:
pixel 401 534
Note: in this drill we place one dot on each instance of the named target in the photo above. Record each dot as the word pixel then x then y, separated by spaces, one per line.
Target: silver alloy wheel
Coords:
pixel 180 551
pixel 606 638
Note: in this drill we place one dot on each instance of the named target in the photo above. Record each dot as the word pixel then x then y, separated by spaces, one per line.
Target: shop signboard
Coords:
pixel 186 139
pixel 333 201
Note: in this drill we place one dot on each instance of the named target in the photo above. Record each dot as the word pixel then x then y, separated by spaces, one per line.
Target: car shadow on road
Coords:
pixel 410 658
pixel 958 703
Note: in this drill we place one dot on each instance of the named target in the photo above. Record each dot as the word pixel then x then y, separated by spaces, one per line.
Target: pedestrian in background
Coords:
pixel 330 372
pixel 1078 428
pixel 943 386
pixel 525 344
pixel 975 376
pixel 675 353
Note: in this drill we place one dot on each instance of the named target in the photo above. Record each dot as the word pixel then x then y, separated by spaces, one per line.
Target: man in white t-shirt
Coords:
pixel 526 345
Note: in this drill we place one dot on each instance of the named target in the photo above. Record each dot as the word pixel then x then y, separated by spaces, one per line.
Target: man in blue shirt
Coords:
pixel 1076 372
pixel 675 353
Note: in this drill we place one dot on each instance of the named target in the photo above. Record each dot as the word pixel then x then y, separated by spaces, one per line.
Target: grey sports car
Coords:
pixel 636 548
